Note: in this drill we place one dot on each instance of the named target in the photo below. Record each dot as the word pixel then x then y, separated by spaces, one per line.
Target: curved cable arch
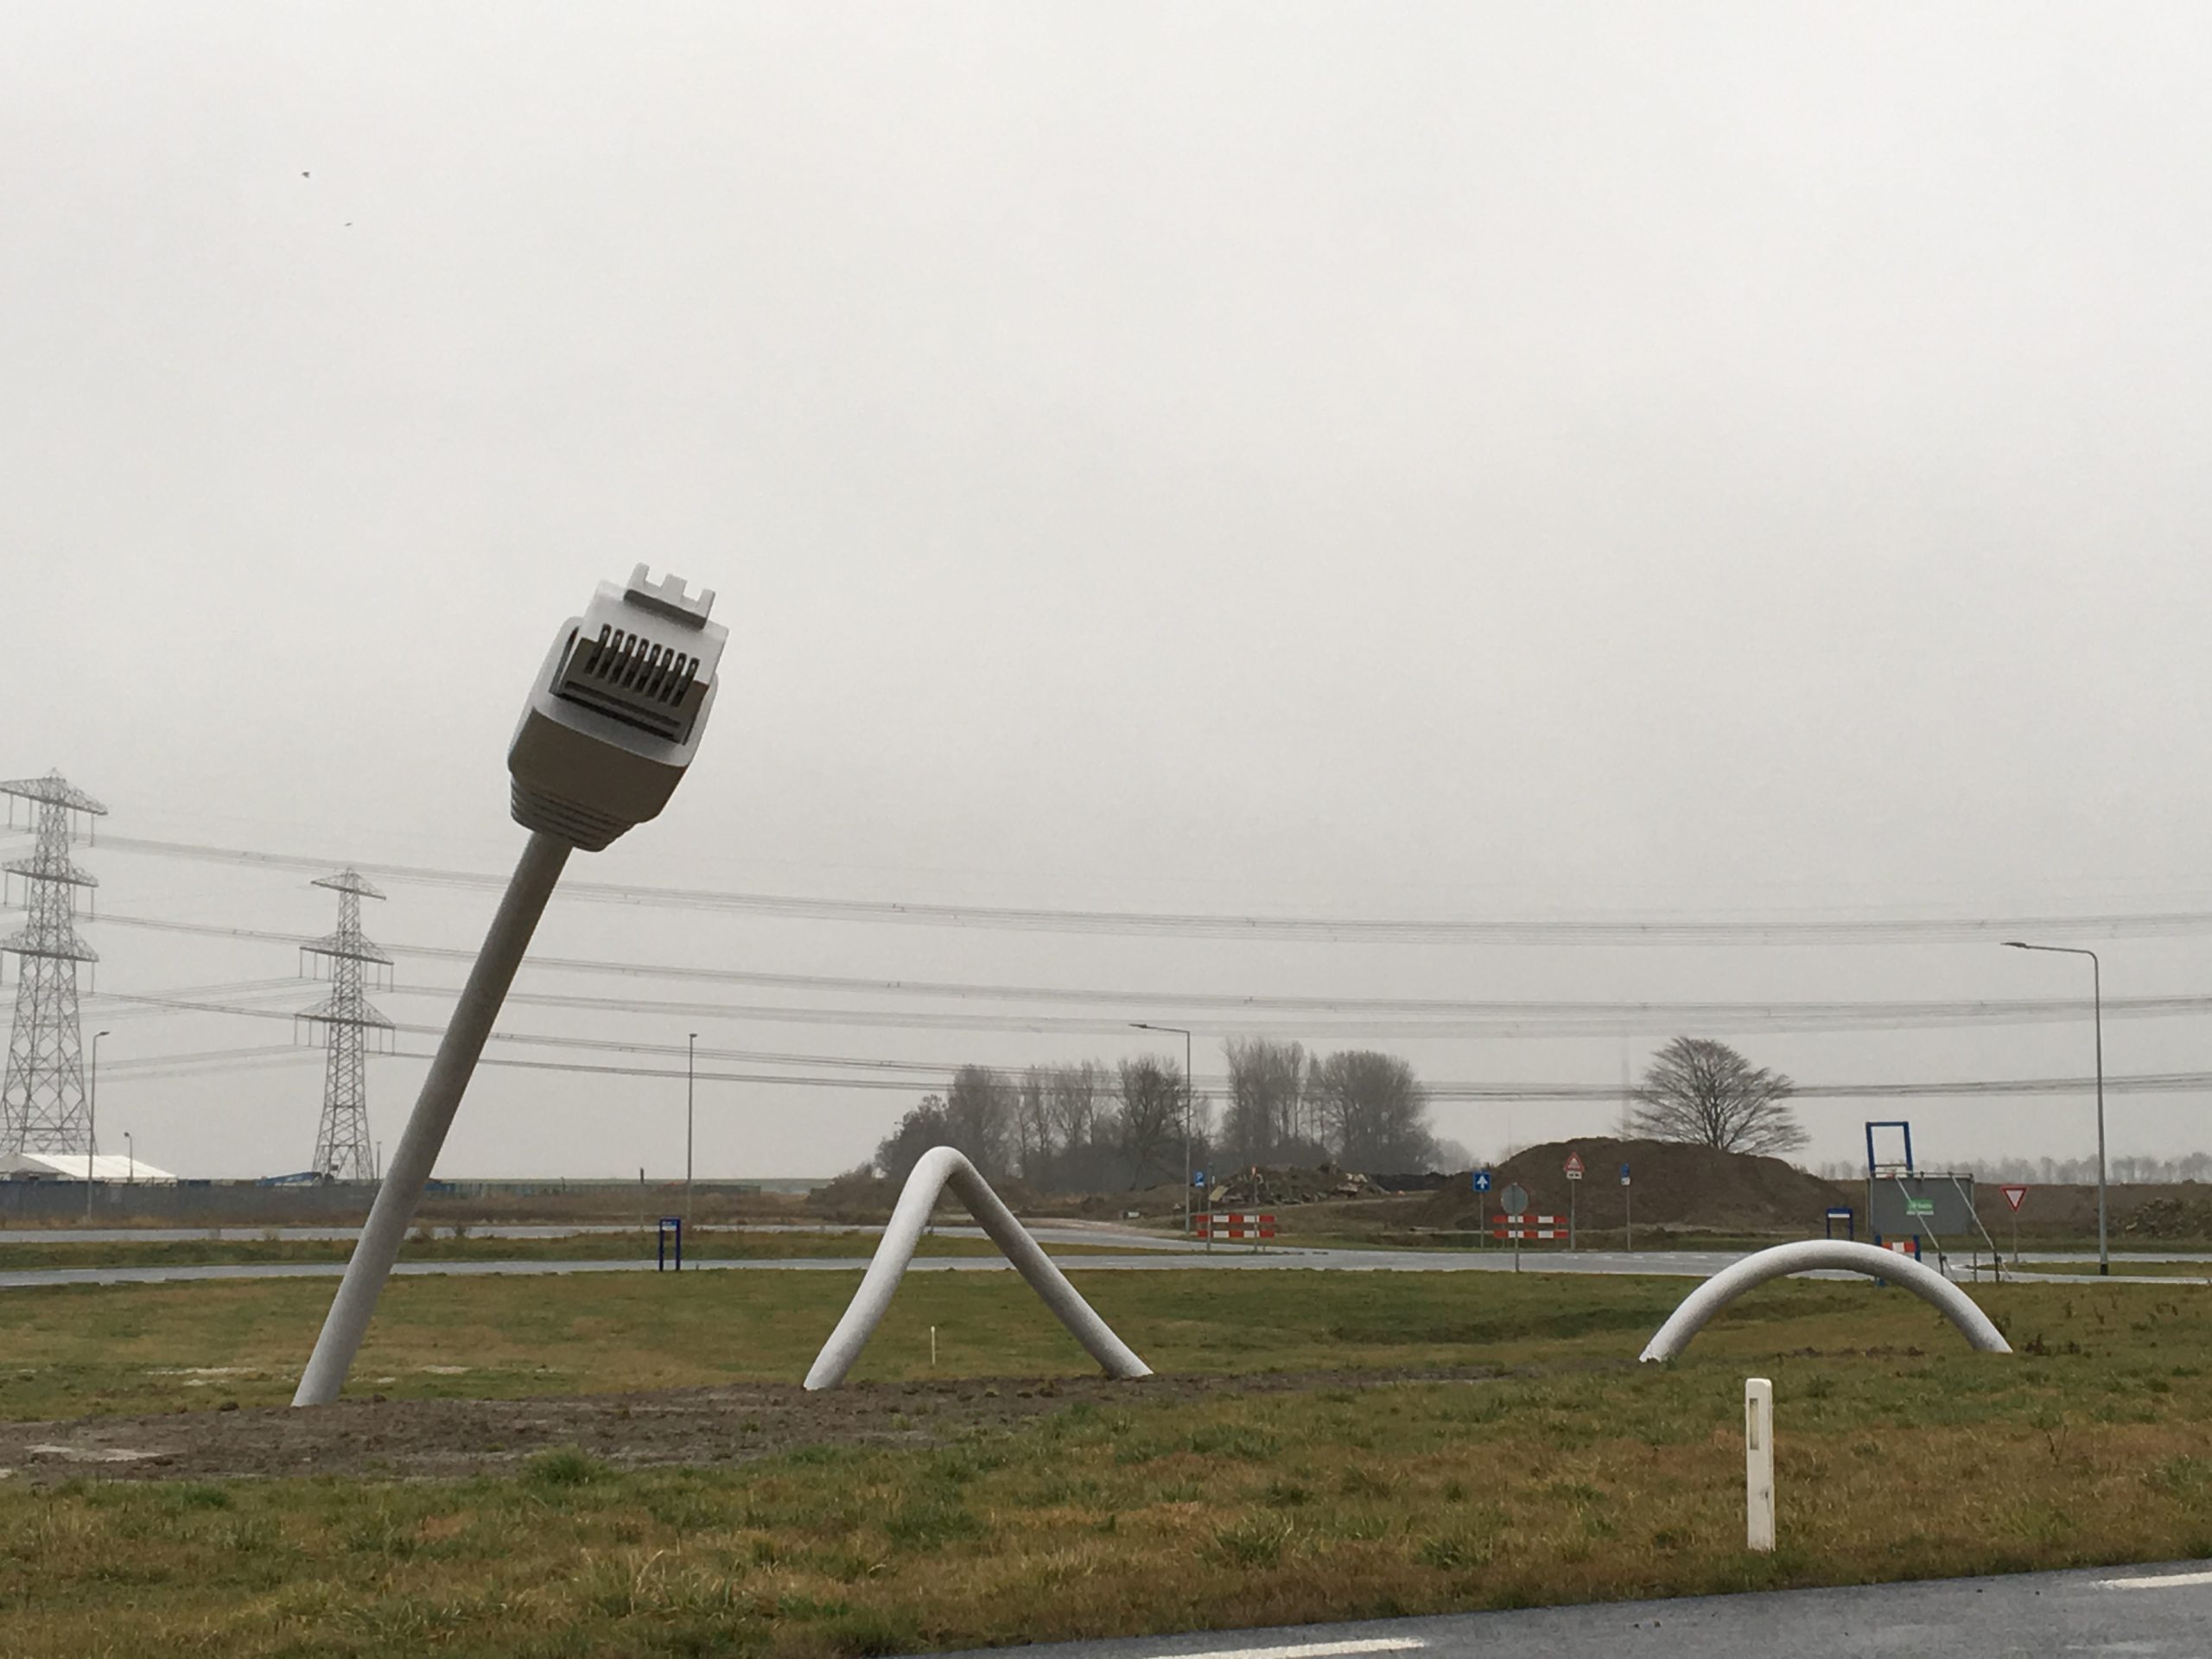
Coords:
pixel 940 1168
pixel 1808 1256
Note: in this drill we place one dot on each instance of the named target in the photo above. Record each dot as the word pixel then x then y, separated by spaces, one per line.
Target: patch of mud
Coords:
pixel 444 1439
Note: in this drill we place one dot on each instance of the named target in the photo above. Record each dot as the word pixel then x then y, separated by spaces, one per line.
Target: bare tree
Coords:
pixel 1262 1122
pixel 1152 1118
pixel 1704 1092
pixel 980 1109
pixel 921 1129
pixel 1375 1112
pixel 1036 1149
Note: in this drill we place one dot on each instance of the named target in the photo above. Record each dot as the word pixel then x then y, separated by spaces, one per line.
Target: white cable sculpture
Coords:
pixel 1807 1257
pixel 940 1168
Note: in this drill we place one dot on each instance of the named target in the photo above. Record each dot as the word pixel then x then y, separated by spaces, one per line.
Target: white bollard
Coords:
pixel 1758 1463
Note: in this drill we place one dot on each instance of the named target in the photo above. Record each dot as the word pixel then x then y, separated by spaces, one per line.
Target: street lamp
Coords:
pixel 1140 1025
pixel 690 1050
pixel 130 1152
pixel 92 1121
pixel 2097 1006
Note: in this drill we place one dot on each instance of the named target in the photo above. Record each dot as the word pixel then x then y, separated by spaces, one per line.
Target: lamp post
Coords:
pixel 92 1121
pixel 1140 1025
pixel 2097 1006
pixel 690 1049
pixel 130 1152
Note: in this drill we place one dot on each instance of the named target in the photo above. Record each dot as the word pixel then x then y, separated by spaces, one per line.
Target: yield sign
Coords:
pixel 2013 1195
pixel 1573 1166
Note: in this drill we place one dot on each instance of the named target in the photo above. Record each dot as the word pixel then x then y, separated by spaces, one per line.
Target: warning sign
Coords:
pixel 2013 1195
pixel 1573 1166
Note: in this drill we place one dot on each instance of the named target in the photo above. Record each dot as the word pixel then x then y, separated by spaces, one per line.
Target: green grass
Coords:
pixel 75 1351
pixel 1572 1474
pixel 2122 1264
pixel 69 1350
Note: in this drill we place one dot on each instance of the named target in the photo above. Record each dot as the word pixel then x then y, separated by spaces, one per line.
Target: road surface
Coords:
pixel 2137 1611
pixel 1148 1252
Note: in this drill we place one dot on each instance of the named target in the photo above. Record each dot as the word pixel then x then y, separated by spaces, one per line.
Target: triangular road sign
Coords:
pixel 2013 1195
pixel 1573 1166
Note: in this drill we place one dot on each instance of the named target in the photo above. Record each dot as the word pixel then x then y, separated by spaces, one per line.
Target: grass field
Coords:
pixel 1567 1473
pixel 2122 1264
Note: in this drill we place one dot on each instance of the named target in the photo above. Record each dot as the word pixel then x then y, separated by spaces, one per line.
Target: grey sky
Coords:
pixel 1541 460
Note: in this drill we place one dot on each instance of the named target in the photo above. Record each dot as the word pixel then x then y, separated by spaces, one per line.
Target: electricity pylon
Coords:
pixel 42 1104
pixel 349 1022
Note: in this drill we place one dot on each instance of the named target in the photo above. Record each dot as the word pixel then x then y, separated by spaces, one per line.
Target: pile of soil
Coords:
pixel 1677 1187
pixel 1284 1184
pixel 2168 1218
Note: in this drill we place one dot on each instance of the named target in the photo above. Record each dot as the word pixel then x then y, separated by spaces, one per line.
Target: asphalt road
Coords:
pixel 2137 1611
pixel 1680 1264
pixel 1147 1252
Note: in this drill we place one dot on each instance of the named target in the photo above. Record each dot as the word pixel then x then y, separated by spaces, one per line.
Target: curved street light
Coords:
pixel 2097 1006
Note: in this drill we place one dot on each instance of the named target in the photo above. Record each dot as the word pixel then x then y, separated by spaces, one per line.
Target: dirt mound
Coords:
pixel 1282 1184
pixel 1676 1186
pixel 2169 1218
pixel 444 1439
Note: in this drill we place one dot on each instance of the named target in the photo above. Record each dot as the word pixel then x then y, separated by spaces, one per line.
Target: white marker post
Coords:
pixel 1759 1464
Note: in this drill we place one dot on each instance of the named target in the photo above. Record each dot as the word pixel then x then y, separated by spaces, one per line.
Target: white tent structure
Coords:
pixel 64 1166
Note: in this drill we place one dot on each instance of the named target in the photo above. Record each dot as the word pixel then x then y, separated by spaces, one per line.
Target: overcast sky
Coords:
pixel 1564 462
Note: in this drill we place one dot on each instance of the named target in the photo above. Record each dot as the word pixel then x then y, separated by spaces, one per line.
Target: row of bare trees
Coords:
pixel 1094 1127
pixel 1081 1128
pixel 1359 1109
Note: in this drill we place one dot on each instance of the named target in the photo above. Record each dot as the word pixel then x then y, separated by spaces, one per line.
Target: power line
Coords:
pixel 908 1075
pixel 1613 931
pixel 1476 1017
pixel 1466 1093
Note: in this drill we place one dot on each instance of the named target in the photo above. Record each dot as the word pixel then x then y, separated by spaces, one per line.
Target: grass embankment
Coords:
pixel 724 1245
pixel 2123 1264
pixel 74 1351
pixel 1573 1474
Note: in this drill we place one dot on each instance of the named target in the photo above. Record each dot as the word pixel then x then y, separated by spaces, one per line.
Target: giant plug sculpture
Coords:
pixel 1809 1256
pixel 940 1168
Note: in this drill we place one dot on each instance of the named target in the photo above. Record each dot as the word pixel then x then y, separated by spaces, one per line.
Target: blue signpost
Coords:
pixel 1482 1185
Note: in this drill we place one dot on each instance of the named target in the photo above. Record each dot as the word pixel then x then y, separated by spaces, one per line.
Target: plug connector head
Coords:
pixel 616 713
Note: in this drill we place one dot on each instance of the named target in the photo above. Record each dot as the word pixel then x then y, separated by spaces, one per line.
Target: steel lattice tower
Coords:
pixel 349 1021
pixel 42 1105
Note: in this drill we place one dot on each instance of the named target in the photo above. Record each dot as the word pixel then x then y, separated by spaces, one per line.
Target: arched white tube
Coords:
pixel 940 1168
pixel 1809 1256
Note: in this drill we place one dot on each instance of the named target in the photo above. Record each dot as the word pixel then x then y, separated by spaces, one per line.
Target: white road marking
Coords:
pixel 1316 1649
pixel 2163 1581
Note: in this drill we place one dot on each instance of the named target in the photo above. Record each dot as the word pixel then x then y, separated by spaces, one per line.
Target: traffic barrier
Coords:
pixel 1240 1226
pixel 1539 1227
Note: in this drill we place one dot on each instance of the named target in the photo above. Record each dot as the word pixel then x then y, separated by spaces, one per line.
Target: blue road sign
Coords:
pixel 1623 1174
pixel 1482 1181
pixel 1198 1178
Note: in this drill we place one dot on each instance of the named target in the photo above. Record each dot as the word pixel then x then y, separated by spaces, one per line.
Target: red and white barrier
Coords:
pixel 1541 1227
pixel 1239 1226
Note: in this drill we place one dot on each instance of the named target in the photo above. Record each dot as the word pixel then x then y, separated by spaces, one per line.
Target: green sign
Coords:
pixel 1920 1206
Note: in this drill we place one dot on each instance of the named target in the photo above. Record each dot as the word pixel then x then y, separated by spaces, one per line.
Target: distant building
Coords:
pixel 62 1167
